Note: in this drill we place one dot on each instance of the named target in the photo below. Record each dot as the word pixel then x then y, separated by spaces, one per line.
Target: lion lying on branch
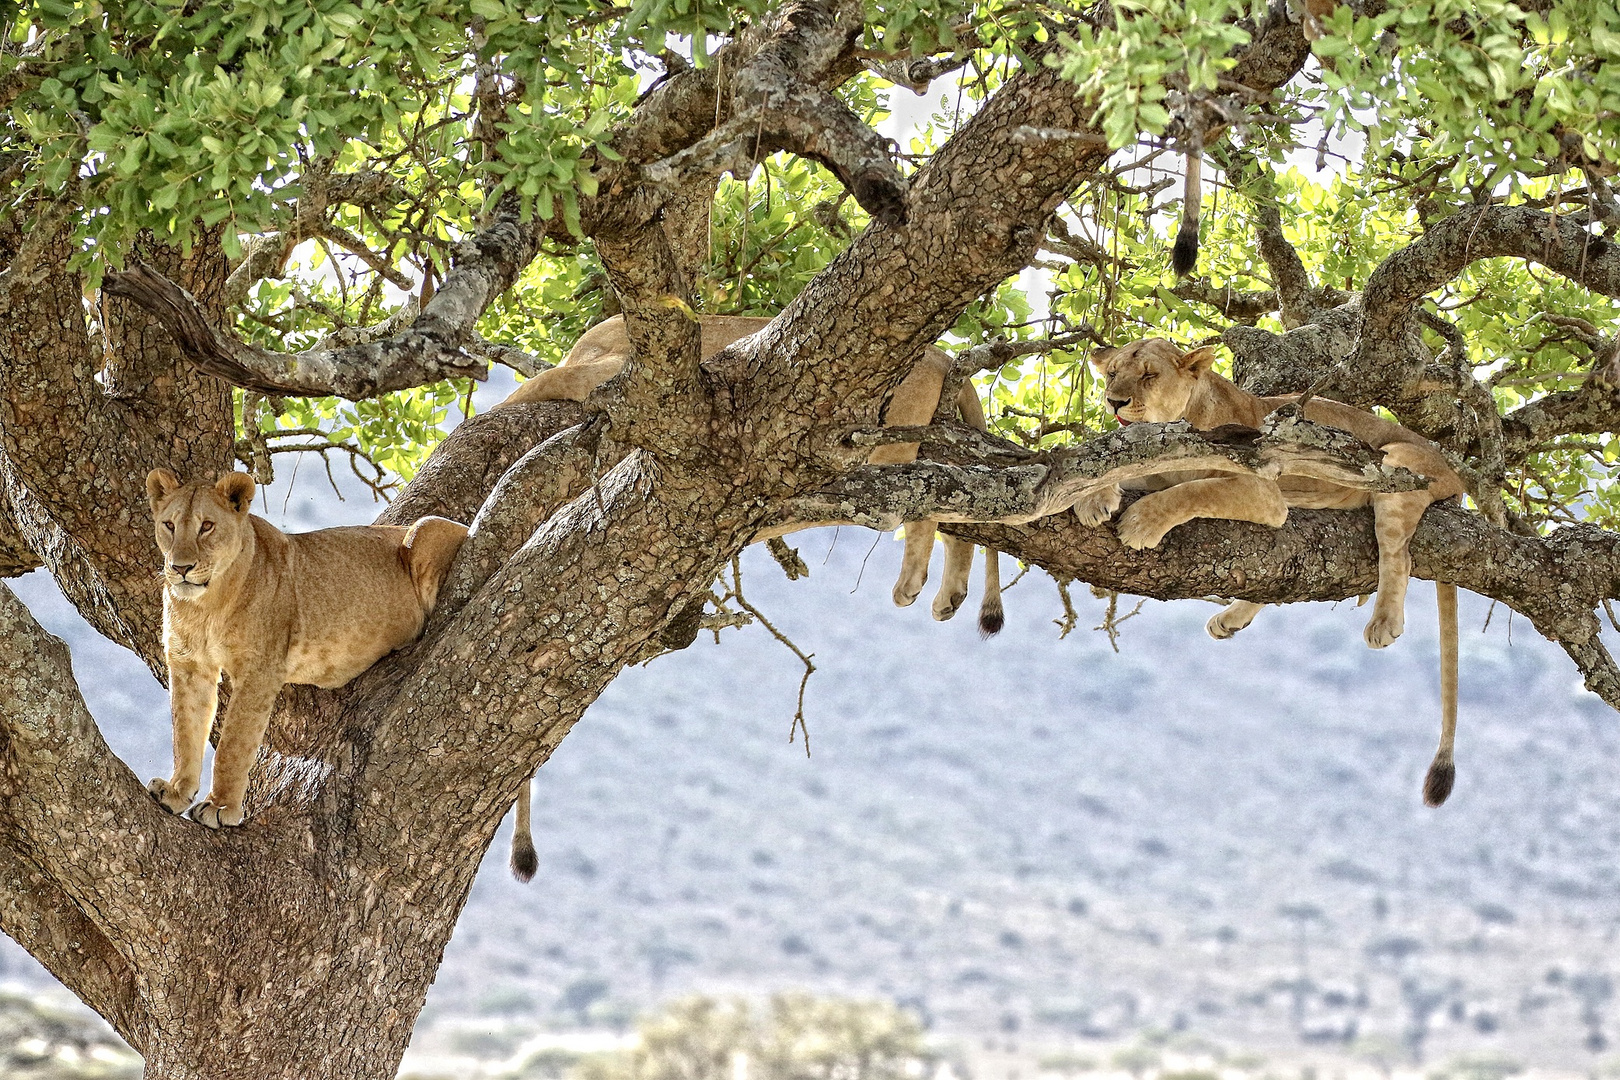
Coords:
pixel 1152 380
pixel 601 352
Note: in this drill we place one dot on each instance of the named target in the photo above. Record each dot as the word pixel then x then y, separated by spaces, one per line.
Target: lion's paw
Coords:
pixel 216 815
pixel 1219 629
pixel 1096 507
pixel 946 606
pixel 906 590
pixel 1383 628
pixel 168 796
pixel 1138 529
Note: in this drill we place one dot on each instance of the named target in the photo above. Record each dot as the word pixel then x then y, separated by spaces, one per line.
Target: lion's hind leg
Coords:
pixel 914 566
pixel 1232 618
pixel 1235 498
pixel 953 583
pixel 429 548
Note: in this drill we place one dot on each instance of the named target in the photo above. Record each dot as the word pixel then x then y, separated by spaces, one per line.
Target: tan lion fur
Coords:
pixel 268 608
pixel 1154 381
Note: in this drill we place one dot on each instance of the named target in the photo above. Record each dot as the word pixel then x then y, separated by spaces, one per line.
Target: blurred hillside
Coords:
pixel 1037 842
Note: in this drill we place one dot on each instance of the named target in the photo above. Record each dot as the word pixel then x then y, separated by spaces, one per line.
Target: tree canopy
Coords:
pixel 285 226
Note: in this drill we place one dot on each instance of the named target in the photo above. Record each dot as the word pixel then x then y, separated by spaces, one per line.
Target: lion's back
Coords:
pixel 355 601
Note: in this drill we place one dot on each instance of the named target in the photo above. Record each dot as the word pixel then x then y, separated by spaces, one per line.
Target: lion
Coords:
pixel 1152 380
pixel 267 608
pixel 600 354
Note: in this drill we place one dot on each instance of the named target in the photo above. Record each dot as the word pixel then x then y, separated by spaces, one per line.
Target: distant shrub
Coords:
pixel 1067 1064
pixel 798 1037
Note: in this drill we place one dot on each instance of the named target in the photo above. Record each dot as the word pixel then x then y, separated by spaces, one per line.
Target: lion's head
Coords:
pixel 200 527
pixel 1151 379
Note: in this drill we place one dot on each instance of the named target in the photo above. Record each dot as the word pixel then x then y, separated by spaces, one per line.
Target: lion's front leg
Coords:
pixel 253 693
pixel 1234 498
pixel 193 697
pixel 1395 519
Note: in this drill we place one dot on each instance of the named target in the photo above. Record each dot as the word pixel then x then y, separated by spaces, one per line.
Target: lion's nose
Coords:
pixel 1117 404
pixel 182 570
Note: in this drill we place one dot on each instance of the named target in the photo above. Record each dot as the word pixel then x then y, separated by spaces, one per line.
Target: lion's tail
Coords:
pixel 1443 770
pixel 524 859
pixel 991 615
pixel 1184 256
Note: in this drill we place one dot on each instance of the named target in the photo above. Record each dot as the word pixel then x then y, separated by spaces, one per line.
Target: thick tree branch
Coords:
pixel 432 348
pixel 71 803
pixel 1488 232
pixel 778 101
pixel 16 557
pixel 1239 306
pixel 1288 272
pixel 1591 409
pixel 1332 555
pixel 885 496
pixel 39 916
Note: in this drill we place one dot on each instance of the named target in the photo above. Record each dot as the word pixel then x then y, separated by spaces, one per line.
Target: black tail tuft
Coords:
pixel 1437 785
pixel 991 621
pixel 525 863
pixel 1184 256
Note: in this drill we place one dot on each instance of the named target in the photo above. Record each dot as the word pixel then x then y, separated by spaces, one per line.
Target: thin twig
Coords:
pixel 809 668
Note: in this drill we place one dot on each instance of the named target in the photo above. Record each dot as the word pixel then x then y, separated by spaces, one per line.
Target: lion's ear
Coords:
pixel 237 489
pixel 1100 358
pixel 1199 360
pixel 160 484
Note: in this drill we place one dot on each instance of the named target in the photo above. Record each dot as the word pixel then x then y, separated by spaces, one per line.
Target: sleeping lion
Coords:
pixel 1154 381
pixel 268 608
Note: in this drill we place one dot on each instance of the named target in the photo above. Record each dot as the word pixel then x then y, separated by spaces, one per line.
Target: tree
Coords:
pixel 236 231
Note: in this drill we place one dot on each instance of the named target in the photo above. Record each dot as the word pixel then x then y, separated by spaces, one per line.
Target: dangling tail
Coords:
pixel 1443 771
pixel 1184 256
pixel 524 860
pixel 991 616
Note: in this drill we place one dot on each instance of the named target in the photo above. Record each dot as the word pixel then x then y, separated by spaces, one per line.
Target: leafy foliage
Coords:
pixel 190 121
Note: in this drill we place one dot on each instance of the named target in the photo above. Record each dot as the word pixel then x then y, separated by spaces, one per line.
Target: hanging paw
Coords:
pixel 1095 507
pixel 1384 627
pixel 946 605
pixel 166 795
pixel 216 815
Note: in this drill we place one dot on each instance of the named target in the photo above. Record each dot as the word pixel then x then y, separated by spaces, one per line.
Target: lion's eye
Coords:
pixel 169 525
pixel 1149 376
pixel 207 527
